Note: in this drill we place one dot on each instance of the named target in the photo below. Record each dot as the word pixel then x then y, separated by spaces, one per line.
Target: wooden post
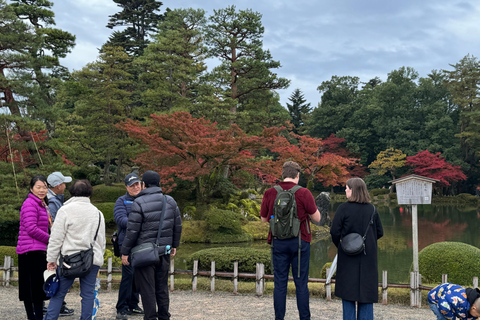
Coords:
pixel 235 277
pixel 212 277
pixel 6 271
pixel 259 277
pixel 413 279
pixel 444 278
pixel 415 237
pixel 418 294
pixel 195 275
pixel 172 274
pixel 475 282
pixel 384 287
pixel 109 275
pixel 328 288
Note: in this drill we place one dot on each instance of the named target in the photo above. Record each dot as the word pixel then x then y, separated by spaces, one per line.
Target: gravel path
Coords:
pixel 186 305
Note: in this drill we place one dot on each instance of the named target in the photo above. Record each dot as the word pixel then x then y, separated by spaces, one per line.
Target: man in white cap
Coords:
pixel 56 187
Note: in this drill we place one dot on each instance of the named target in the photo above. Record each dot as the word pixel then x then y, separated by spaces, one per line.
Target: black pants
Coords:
pixel 152 282
pixel 30 282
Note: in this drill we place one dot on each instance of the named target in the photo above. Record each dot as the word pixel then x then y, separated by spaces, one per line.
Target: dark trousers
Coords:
pixel 127 293
pixel 284 255
pixel 152 282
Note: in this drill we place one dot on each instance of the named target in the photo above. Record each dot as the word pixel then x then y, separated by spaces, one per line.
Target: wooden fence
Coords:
pixel 415 285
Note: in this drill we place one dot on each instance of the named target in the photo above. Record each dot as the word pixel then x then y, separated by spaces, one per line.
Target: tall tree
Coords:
pixel 141 18
pixel 102 98
pixel 172 65
pixel 299 109
pixel 235 37
pixel 30 50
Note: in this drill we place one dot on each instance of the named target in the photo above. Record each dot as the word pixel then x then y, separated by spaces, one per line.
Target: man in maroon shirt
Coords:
pixel 285 251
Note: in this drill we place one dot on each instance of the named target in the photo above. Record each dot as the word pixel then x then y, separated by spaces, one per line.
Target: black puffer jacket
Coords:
pixel 144 220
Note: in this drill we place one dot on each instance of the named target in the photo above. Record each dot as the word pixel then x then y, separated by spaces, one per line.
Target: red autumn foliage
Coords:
pixel 433 166
pixel 180 146
pixel 335 145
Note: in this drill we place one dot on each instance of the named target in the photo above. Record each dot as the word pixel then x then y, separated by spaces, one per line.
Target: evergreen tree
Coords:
pixel 298 110
pixel 141 18
pixel 235 37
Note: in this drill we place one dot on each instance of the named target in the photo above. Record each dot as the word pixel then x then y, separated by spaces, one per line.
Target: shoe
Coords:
pixel 66 312
pixel 122 316
pixel 136 310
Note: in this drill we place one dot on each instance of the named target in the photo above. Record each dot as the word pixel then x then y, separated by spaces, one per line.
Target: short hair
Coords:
pixel 359 190
pixel 476 303
pixel 291 169
pixel 81 188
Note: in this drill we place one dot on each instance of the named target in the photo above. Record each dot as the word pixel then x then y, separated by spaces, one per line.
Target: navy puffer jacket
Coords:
pixel 144 220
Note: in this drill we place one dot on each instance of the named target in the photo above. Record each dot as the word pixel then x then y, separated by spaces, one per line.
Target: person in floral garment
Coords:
pixel 451 301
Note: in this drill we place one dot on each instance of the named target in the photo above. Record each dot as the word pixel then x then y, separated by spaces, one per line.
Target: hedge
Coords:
pixel 460 261
pixel 225 257
pixel 107 210
pixel 103 193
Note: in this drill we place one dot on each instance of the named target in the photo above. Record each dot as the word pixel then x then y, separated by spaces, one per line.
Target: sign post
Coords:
pixel 413 190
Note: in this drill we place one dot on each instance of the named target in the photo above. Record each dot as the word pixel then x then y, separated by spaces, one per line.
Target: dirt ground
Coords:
pixel 187 305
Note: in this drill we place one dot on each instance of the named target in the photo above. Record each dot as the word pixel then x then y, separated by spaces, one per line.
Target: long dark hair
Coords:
pixel 32 183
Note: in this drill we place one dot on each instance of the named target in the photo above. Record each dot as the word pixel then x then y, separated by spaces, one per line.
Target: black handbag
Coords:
pixel 116 245
pixel 148 253
pixel 80 263
pixel 353 243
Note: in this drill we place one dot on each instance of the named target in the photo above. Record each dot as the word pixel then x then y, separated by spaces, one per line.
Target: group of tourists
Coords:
pixel 51 230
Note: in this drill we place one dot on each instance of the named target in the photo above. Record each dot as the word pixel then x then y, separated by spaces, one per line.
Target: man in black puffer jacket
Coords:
pixel 143 225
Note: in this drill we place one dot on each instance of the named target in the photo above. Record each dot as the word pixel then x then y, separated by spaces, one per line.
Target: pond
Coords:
pixel 395 253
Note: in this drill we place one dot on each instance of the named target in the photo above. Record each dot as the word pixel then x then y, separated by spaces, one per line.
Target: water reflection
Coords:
pixel 436 224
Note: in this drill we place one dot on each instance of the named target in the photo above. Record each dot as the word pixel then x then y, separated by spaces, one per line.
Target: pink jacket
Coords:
pixel 33 234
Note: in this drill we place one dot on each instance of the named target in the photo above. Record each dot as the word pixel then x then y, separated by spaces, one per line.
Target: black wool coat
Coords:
pixel 357 276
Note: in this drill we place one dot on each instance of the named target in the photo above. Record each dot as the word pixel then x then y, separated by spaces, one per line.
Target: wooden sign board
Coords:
pixel 414 189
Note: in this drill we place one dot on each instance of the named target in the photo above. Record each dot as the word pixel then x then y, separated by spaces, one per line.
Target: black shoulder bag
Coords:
pixel 353 243
pixel 80 263
pixel 148 253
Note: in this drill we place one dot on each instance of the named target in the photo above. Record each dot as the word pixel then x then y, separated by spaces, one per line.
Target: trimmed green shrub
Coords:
pixel 224 257
pixel 257 229
pixel 103 193
pixel 8 251
pixel 9 224
pixel 107 210
pixel 224 226
pixel 460 261
pixel 116 261
pixel 323 273
pixel 376 192
pixel 194 231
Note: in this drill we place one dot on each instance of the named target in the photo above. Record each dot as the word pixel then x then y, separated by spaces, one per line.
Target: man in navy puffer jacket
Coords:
pixel 143 226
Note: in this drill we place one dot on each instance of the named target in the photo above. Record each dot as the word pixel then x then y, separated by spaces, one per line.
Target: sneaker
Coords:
pixel 136 310
pixel 122 316
pixel 66 312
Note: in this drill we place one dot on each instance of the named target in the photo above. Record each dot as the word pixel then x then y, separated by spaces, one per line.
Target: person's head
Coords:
pixel 133 184
pixel 151 179
pixel 475 309
pixel 81 188
pixel 356 191
pixel 291 170
pixel 56 181
pixel 38 186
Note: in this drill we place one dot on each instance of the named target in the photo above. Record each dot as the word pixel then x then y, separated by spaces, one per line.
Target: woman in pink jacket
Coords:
pixel 32 246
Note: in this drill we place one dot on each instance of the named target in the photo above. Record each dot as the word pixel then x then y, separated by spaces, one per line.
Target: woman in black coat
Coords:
pixel 357 275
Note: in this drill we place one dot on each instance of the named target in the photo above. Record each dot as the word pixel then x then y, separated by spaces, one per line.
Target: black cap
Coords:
pixel 151 178
pixel 131 178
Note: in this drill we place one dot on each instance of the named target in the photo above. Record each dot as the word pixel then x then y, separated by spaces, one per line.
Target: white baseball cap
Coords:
pixel 57 178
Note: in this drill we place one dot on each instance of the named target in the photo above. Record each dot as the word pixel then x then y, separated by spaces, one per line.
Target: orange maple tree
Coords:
pixel 180 146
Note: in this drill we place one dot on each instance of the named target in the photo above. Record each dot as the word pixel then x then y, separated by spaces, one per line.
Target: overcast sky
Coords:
pixel 315 40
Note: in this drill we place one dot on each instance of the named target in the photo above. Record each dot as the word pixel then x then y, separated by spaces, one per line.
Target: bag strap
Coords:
pixel 98 227
pixel 370 223
pixel 161 219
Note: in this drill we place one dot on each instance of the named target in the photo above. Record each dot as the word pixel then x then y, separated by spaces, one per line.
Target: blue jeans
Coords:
pixel 284 255
pixel 351 312
pixel 127 294
pixel 87 292
pixel 435 310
